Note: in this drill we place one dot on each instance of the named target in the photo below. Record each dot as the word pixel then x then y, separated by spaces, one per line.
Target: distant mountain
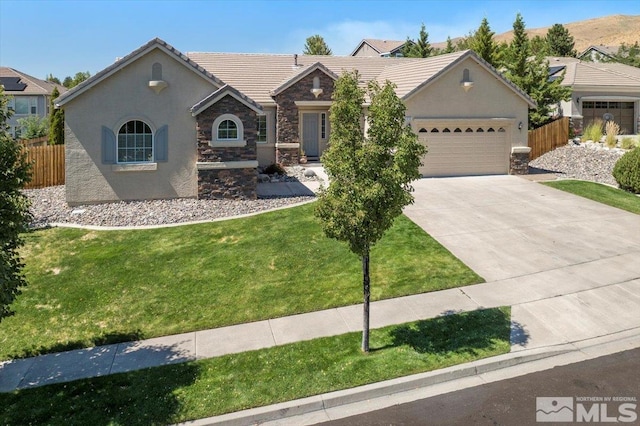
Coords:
pixel 606 31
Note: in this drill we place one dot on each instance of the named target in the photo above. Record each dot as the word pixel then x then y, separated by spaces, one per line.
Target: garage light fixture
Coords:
pixel 520 126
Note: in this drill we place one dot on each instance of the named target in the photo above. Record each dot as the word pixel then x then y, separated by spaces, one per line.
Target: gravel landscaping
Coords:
pixel 48 206
pixel 587 161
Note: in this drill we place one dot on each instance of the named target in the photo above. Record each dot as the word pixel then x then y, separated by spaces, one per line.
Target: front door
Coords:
pixel 310 134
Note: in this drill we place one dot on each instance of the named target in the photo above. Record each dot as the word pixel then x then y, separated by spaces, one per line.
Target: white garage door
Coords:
pixel 459 150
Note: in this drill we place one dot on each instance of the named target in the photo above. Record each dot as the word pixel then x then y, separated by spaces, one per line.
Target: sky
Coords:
pixel 65 37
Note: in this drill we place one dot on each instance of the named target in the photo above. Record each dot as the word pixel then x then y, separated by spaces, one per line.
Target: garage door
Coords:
pixel 462 150
pixel 620 112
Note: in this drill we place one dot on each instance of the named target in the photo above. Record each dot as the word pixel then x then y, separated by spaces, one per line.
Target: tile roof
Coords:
pixel 35 86
pixel 605 50
pixel 257 75
pixel 219 94
pixel 589 74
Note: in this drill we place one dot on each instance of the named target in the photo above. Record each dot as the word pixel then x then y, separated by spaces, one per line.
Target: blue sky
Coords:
pixel 64 37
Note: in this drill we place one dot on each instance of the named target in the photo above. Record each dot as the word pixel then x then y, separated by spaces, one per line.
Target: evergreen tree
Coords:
pixel 450 47
pixel 369 177
pixel 629 55
pixel 14 211
pixel 56 120
pixel 531 74
pixel 560 42
pixel 420 48
pixel 50 78
pixel 539 46
pixel 315 45
pixel 482 43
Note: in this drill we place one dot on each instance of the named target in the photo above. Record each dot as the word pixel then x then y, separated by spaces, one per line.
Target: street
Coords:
pixel 584 386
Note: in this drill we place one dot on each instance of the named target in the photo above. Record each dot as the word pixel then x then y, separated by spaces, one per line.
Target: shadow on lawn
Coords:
pixel 141 397
pixel 103 339
pixel 454 332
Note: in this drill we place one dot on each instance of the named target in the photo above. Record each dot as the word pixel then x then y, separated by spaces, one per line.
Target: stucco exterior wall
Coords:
pixel 366 50
pixel 488 98
pixel 125 96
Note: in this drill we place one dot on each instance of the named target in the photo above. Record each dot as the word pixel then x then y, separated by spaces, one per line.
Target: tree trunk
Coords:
pixel 366 294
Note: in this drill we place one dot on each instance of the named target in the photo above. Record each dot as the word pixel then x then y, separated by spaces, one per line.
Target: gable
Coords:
pixel 153 46
pixel 488 95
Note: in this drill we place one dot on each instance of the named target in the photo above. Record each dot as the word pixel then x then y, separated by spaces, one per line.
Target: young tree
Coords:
pixel 14 211
pixel 560 42
pixel 420 48
pixel 315 45
pixel 369 175
pixel 450 47
pixel 539 46
pixel 50 78
pixel 33 126
pixel 482 43
pixel 56 121
pixel 518 51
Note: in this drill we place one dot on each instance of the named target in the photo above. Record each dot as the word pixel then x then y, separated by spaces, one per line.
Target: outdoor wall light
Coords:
pixel 520 126
pixel 466 82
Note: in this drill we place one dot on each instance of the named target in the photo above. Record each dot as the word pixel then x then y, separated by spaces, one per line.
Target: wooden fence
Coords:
pixel 47 166
pixel 548 137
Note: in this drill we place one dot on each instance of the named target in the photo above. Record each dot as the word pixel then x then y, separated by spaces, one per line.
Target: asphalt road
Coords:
pixel 513 401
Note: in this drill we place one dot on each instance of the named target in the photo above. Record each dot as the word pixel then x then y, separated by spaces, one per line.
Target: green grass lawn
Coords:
pixel 601 193
pixel 230 383
pixel 95 287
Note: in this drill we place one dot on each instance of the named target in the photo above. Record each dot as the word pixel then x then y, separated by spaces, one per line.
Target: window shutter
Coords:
pixel 108 146
pixel 162 144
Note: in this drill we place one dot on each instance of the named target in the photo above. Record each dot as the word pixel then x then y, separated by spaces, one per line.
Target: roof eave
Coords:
pixel 217 95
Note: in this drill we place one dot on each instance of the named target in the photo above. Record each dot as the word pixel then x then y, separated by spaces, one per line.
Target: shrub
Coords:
pixel 627 171
pixel 594 131
pixel 275 168
pixel 628 142
pixel 613 129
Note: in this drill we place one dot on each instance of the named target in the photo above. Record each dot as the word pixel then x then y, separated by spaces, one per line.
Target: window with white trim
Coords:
pixel 135 142
pixel 227 129
pixel 261 135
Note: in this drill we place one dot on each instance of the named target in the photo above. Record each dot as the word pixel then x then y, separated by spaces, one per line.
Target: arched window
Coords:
pixel 135 142
pixel 501 130
pixel 457 130
pixel 156 71
pixel 469 130
pixel 434 130
pixel 423 130
pixel 446 130
pixel 480 130
pixel 226 129
pixel 490 129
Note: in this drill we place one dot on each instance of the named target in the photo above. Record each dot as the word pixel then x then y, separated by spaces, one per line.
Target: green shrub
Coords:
pixel 594 131
pixel 628 142
pixel 627 171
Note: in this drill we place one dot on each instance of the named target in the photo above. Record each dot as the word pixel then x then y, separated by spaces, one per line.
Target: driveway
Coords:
pixel 506 226
pixel 568 266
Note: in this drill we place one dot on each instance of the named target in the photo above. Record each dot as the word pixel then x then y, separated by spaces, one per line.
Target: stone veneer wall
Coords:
pixel 287 113
pixel 236 183
pixel 519 164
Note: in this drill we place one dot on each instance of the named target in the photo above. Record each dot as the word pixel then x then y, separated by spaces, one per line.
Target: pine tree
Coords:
pixel 420 48
pixel 315 45
pixel 518 51
pixel 56 121
pixel 560 42
pixel 482 43
pixel 450 47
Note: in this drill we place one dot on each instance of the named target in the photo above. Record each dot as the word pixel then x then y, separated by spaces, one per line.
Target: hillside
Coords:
pixel 608 31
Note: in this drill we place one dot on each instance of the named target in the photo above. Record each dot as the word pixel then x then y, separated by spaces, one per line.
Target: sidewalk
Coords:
pixel 550 316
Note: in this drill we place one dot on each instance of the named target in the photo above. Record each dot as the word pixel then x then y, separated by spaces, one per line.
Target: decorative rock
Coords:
pixel 263 177
pixel 309 173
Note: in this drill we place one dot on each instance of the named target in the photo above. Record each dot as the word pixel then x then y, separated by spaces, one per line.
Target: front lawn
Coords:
pixel 96 287
pixel 181 392
pixel 601 193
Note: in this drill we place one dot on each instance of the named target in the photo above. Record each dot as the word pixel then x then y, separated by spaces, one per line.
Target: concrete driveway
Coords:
pixel 568 266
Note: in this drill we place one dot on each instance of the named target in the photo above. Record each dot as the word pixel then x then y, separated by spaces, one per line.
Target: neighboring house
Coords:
pixel 373 47
pixel 606 91
pixel 162 124
pixel 29 96
pixel 599 53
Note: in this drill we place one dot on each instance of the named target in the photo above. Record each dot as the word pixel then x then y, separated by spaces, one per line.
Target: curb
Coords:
pixel 375 390
pixel 305 408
